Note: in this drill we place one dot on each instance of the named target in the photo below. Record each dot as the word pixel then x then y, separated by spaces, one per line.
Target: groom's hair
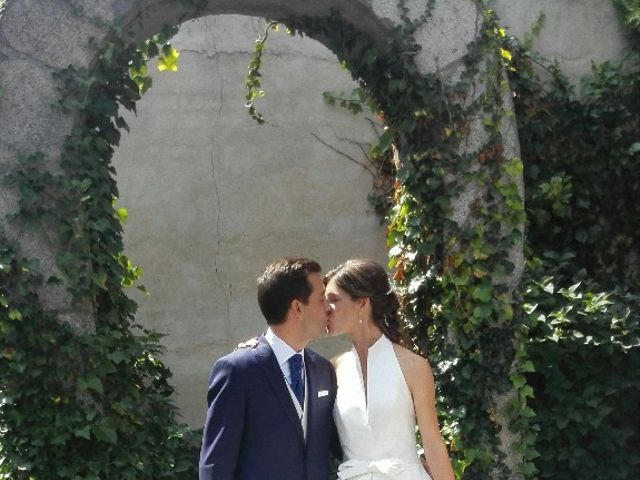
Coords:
pixel 283 281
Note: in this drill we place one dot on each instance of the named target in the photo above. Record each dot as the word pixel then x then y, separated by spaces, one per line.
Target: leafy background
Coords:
pixel 103 399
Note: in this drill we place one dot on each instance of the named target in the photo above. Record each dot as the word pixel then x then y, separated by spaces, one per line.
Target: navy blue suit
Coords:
pixel 252 430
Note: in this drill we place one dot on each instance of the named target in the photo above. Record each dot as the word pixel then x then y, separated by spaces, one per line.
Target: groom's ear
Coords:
pixel 296 307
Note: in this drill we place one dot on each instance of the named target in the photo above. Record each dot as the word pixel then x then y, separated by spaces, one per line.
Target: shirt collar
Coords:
pixel 281 349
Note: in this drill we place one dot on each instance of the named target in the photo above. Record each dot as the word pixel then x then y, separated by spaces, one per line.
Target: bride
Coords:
pixel 383 388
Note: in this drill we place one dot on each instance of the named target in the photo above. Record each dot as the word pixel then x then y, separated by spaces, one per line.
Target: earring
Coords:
pixel 359 316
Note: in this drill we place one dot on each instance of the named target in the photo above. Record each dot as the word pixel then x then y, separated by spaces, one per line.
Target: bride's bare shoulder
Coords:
pixel 412 364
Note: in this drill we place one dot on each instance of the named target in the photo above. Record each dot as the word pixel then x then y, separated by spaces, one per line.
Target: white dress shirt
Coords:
pixel 283 353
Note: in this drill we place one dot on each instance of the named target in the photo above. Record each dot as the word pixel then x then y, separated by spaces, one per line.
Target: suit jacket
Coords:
pixel 252 430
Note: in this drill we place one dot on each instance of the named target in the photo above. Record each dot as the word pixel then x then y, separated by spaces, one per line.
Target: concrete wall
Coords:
pixel 212 196
pixel 575 32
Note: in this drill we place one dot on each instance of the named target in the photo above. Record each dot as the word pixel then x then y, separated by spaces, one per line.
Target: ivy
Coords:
pixel 74 404
pixel 584 351
pixel 575 147
pixel 585 173
pixel 581 297
pixel 583 332
pixel 466 321
pixel 253 83
pixel 630 13
pixel 89 405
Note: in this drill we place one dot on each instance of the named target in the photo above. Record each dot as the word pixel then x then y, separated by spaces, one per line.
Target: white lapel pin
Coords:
pixel 323 393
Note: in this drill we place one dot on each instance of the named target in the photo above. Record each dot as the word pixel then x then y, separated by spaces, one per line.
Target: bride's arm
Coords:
pixel 422 388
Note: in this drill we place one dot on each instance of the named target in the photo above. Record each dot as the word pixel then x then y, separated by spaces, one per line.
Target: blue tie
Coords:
pixel 297 380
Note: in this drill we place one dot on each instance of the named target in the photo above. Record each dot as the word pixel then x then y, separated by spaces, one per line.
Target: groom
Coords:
pixel 270 406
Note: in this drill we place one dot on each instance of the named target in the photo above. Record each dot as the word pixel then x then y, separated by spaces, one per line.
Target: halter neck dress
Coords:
pixel 377 430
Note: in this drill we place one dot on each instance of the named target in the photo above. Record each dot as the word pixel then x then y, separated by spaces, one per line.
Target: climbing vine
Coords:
pixel 630 14
pixel 455 305
pixel 581 151
pixel 110 392
pixel 84 405
pixel 580 156
pixel 571 329
pixel 102 397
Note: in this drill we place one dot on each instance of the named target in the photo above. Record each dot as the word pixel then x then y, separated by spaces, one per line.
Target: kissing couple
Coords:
pixel 276 408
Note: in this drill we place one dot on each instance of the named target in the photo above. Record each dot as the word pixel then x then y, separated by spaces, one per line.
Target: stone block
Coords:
pixel 30 120
pixel 446 35
pixel 574 33
pixel 54 33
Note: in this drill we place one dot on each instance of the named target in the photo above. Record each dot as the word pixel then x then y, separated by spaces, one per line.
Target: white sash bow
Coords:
pixel 363 470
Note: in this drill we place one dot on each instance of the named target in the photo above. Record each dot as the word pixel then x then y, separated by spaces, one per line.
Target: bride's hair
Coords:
pixel 365 278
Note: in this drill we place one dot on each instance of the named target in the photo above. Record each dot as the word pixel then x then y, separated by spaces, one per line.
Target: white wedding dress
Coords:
pixel 377 431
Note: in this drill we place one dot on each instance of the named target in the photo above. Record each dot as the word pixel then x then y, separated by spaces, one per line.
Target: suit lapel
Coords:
pixel 312 395
pixel 273 373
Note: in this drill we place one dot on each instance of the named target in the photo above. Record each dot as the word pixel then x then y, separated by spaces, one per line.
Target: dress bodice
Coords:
pixel 376 426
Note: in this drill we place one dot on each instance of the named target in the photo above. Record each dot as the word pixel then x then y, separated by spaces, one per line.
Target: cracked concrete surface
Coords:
pixel 213 197
pixel 218 242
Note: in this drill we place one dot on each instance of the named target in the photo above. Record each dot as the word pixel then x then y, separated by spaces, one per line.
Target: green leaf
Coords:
pixel 169 60
pixel 518 381
pixel 100 279
pixel 528 469
pixel 483 292
pixel 507 311
pixel 527 367
pixel 514 167
pixel 398 85
pixel 53 280
pixel 83 432
pixel 90 382
pixel 527 391
pixel 482 312
pixel 384 143
pixel 461 279
pixel 581 235
pixel 123 215
pixel 59 439
pixel 105 433
pixel 117 357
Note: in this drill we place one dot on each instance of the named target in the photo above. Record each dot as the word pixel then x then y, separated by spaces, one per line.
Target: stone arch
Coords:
pixel 40 38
